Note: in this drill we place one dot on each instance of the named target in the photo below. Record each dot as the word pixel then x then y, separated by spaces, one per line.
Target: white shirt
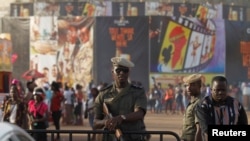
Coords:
pixel 13 113
pixel 67 95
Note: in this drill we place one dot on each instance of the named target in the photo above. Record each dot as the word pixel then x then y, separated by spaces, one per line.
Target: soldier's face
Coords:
pixel 193 89
pixel 120 73
pixel 84 35
pixel 72 34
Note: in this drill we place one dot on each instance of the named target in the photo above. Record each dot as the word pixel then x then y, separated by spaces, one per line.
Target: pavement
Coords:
pixel 153 121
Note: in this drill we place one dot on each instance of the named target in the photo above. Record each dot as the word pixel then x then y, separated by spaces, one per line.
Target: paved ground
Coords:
pixel 154 122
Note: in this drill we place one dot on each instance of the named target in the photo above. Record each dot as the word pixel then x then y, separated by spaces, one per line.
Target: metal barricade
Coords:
pixel 90 132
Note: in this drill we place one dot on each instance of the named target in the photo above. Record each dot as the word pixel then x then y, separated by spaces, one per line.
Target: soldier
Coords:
pixel 190 127
pixel 126 103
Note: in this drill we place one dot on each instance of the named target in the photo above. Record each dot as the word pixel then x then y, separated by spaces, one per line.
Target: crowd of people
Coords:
pixel 35 107
pixel 174 99
pixel 123 105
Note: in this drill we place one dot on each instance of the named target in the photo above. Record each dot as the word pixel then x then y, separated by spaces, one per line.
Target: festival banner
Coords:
pixel 5 52
pixel 238 51
pixel 69 9
pixel 234 13
pixel 125 37
pixel 186 45
pixel 128 8
pixel 159 8
pixel 173 47
pixel 43 46
pixel 74 58
pixel 47 9
pixel 21 9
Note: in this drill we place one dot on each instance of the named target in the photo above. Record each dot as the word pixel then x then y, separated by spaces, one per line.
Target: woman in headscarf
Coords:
pixel 13 107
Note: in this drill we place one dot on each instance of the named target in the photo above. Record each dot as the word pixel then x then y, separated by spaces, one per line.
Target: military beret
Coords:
pixel 120 61
pixel 192 78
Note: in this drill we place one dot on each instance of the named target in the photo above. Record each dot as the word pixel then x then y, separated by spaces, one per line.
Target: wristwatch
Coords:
pixel 123 117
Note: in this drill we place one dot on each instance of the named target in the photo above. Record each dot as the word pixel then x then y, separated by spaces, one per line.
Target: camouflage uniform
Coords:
pixel 130 98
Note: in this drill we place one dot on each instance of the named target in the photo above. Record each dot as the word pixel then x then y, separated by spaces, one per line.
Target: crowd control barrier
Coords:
pixel 52 134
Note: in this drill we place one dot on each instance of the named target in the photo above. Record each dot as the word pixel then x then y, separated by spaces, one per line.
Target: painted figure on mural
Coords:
pixel 196 44
pixel 64 61
pixel 83 59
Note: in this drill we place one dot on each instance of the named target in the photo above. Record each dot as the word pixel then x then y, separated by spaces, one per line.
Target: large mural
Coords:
pixel 163 39
pixel 62 49
pixel 188 44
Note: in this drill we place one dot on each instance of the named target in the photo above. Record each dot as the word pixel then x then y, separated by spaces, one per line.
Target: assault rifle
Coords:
pixel 118 132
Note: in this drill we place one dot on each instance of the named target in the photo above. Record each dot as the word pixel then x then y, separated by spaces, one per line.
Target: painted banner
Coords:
pixel 75 56
pixel 121 36
pixel 5 52
pixel 62 49
pixel 238 51
pixel 186 45
pixel 43 47
pixel 21 9
pixel 95 8
pixel 234 13
pixel 128 8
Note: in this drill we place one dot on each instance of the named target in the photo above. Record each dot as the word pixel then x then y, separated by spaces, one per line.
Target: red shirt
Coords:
pixel 56 101
pixel 41 108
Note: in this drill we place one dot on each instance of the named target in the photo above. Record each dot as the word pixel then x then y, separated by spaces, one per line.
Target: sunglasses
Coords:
pixel 124 70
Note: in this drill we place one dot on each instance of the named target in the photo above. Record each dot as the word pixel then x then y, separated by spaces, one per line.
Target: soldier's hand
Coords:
pixel 112 123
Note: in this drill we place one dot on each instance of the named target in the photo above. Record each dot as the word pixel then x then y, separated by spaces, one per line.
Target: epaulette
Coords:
pixel 136 86
pixel 107 87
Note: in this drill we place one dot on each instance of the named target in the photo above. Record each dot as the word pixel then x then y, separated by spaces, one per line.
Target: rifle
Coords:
pixel 118 132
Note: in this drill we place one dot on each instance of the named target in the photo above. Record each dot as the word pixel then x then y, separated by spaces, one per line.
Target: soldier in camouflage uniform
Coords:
pixel 125 101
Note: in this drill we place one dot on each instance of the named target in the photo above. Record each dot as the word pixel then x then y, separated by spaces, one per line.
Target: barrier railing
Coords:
pixel 90 132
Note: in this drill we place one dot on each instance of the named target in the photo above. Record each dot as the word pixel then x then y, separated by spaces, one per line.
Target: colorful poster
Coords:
pixel 21 9
pixel 5 52
pixel 173 47
pixel 103 8
pixel 159 8
pixel 69 9
pixel 184 10
pixel 74 58
pixel 128 8
pixel 95 8
pixel 89 9
pixel 185 45
pixel 47 9
pixel 43 46
pixel 238 53
pixel 121 36
pixel 234 13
